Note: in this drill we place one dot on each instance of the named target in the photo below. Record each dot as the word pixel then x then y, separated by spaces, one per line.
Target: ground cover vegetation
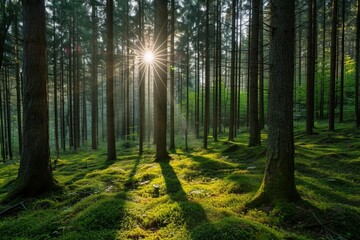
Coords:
pixel 199 194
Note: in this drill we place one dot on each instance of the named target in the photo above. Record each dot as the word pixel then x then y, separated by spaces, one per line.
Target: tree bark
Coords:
pixel 254 139
pixel 232 76
pixel 342 77
pixel 261 67
pixel 94 80
pixel 279 182
pixel 172 76
pixel 310 86
pixel 18 83
pixel 111 151
pixel 333 66
pixel 141 82
pixel 207 76
pixel 161 78
pixel 35 174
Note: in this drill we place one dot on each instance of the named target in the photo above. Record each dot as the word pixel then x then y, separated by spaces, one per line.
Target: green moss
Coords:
pixel 233 228
pixel 202 193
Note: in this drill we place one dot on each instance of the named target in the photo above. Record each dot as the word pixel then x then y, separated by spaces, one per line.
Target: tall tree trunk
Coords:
pixel 310 86
pixel 127 73
pixel 111 151
pixel 219 42
pixel 254 139
pixel 341 103
pixel 35 175
pixel 187 96
pixel 333 65
pixel 94 80
pixel 8 113
pixel 279 182
pixel 197 91
pixel 55 84
pixel 232 76
pixel 18 83
pixel 161 78
pixel 207 76
pixel 62 98
pixel 172 76
pixel 261 67
pixel 142 72
pixel 322 83
pixel 216 76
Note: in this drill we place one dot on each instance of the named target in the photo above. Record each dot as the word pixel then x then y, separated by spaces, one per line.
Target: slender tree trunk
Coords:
pixel 279 182
pixel 161 78
pixel 172 76
pixel 219 42
pixel 35 175
pixel 197 91
pixel 187 96
pixel 111 151
pixel 232 76
pixel 322 83
pixel 207 76
pixel 62 99
pixel 254 139
pixel 216 76
pixel 94 80
pixel 18 84
pixel 333 65
pixel 261 67
pixel 55 85
pixel 310 86
pixel 142 72
pixel 8 114
pixel 341 103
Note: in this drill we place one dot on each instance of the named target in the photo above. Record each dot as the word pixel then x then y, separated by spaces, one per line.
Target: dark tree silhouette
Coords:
pixel 35 175
pixel 161 16
pixel 111 151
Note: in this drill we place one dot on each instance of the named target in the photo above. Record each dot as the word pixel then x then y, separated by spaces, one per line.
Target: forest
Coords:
pixel 188 119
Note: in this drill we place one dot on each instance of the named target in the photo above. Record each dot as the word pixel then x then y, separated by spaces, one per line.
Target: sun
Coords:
pixel 148 57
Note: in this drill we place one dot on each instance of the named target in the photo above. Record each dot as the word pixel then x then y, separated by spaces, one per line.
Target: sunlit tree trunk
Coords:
pixel 279 182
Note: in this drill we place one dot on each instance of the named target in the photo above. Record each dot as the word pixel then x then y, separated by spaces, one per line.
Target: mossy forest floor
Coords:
pixel 199 194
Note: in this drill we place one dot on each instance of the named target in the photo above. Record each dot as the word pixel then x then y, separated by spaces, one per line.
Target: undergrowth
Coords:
pixel 199 194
